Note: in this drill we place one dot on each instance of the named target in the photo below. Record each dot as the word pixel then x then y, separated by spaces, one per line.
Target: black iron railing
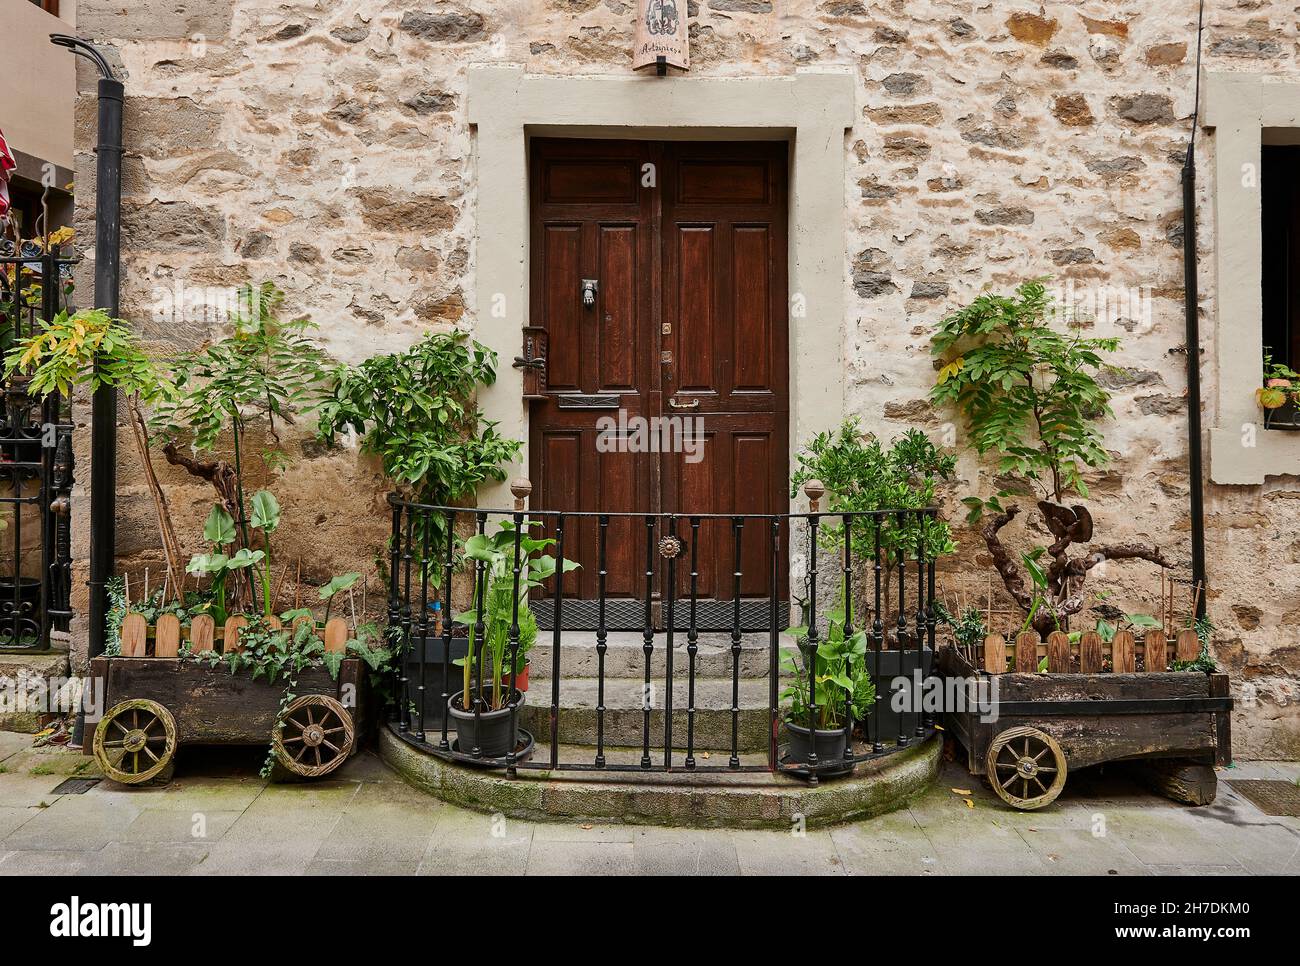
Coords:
pixel 880 577
pixel 35 462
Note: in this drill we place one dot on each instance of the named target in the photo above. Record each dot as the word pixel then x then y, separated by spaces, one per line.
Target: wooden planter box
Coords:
pixel 154 701
pixel 1028 729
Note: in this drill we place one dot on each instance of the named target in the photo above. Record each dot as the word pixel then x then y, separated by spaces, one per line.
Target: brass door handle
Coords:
pixel 693 404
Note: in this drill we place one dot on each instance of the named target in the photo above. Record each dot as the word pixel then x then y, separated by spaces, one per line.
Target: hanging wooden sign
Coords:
pixel 661 33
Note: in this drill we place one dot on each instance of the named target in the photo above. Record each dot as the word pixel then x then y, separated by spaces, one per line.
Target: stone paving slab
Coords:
pixel 367 821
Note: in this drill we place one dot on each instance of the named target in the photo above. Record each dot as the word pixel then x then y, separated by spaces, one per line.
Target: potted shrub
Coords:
pixel 482 709
pixel 840 675
pixel 1279 395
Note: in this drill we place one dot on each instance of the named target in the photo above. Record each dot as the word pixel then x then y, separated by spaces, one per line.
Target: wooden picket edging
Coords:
pixel 1027 652
pixel 164 638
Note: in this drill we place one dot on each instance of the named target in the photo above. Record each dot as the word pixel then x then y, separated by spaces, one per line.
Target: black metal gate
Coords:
pixel 35 461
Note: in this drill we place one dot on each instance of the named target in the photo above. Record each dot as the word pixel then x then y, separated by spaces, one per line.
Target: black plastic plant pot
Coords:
pixel 896 670
pixel 488 731
pixel 434 651
pixel 1286 416
pixel 830 746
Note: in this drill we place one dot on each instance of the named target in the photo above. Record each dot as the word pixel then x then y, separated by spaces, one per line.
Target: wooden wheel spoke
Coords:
pixel 334 731
pixel 330 745
pixel 119 726
pixel 1046 770
pixel 1006 764
pixel 302 751
pixel 114 744
pixel 293 740
pixel 1011 779
pixel 1041 787
pixel 1039 757
pixel 149 751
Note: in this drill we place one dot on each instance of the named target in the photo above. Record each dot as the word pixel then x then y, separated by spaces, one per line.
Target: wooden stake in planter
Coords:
pixel 135 635
pixel 995 654
pixel 1156 657
pixel 203 632
pixel 1060 658
pixel 234 627
pixel 1027 652
pixel 336 635
pixel 1122 653
pixel 1189 645
pixel 1090 652
pixel 167 636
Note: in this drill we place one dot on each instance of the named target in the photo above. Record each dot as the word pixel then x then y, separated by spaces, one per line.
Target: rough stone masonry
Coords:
pixel 324 145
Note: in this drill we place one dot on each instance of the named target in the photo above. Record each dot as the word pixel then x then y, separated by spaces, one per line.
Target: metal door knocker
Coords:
pixel 588 293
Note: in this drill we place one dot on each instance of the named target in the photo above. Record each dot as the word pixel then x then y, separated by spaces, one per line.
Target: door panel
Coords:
pixel 689 322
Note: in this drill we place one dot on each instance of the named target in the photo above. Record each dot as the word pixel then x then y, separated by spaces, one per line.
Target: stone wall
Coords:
pixel 325 146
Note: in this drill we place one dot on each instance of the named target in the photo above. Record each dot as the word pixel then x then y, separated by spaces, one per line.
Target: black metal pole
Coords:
pixel 103 423
pixel 1191 302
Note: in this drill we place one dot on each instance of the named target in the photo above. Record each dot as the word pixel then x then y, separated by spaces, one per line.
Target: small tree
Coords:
pixel 265 369
pixel 1029 395
pixel 90 348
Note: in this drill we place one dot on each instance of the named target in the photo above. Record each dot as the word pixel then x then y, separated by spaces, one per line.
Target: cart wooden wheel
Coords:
pixel 314 735
pixel 1026 767
pixel 135 741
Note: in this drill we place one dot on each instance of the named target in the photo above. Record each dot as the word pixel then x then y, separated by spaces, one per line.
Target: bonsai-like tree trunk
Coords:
pixel 171 545
pixel 1066 574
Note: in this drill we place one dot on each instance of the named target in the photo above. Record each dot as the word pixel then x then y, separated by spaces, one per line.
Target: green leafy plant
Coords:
pixel 186 607
pixel 968 630
pixel 91 349
pixel 496 553
pixel 266 369
pixel 1204 661
pixel 336 586
pixel 1030 396
pixel 415 410
pixel 840 675
pixel 860 474
pixel 1281 384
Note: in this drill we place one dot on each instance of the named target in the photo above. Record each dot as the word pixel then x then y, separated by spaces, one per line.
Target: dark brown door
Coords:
pixel 684 339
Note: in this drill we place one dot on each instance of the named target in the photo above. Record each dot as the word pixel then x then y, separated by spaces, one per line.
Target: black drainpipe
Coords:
pixel 1191 305
pixel 103 421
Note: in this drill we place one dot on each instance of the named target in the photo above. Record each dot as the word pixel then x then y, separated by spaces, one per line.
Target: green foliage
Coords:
pixel 840 674
pixel 968 630
pixel 265 367
pixel 1281 384
pixel 415 411
pixel 1028 392
pixel 497 554
pixel 336 586
pixel 860 474
pixel 86 348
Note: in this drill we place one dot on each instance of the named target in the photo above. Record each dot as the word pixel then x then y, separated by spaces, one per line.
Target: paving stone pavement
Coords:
pixel 218 818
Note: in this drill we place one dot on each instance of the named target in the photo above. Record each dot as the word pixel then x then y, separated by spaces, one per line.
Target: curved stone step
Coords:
pixel 624 717
pixel 701 799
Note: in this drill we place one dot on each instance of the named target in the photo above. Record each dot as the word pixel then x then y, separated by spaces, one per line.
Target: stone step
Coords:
pixel 624 717
pixel 625 655
pixel 680 797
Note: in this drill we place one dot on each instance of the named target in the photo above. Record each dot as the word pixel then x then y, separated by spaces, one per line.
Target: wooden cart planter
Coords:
pixel 1034 728
pixel 157 701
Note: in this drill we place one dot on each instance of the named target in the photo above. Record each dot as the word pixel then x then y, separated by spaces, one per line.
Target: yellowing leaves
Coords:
pixel 951 369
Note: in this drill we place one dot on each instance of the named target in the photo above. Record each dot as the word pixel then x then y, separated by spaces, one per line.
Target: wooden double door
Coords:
pixel 658 275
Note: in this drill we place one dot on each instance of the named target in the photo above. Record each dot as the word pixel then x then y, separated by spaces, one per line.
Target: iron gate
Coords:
pixel 35 460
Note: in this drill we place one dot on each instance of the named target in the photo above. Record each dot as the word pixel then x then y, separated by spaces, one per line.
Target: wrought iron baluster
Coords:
pixel 773 645
pixel 810 640
pixel 899 524
pixel 601 634
pixel 737 529
pixel 692 643
pixel 447 627
pixel 423 623
pixel 648 637
pixel 61 568
pixel 405 689
pixel 555 640
pixel 877 637
pixel 520 489
pixel 921 620
pixel 395 598
pixel 931 620
pixel 848 632
pixel 669 547
pixel 476 649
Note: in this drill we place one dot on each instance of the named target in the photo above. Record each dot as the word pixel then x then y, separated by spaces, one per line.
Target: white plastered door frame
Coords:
pixel 811 108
